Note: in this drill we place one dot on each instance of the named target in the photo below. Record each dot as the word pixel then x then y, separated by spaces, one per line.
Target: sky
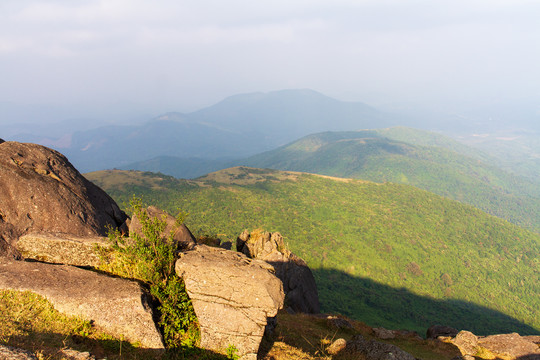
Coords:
pixel 178 55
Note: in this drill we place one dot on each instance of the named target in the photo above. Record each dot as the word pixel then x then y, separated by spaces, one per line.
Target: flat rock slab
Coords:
pixel 61 248
pixel 116 305
pixel 232 295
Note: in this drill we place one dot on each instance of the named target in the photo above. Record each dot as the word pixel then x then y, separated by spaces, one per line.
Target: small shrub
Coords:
pixel 151 257
pixel 231 352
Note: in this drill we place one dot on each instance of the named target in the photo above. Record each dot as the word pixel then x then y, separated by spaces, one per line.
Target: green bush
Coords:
pixel 151 257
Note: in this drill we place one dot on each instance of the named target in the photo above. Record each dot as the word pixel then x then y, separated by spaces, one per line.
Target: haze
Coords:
pixel 139 58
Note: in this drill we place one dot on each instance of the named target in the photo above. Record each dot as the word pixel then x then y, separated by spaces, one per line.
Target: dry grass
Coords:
pixel 301 336
pixel 30 322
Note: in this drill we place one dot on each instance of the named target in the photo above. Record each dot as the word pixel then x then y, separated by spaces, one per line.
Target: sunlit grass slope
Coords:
pixel 387 254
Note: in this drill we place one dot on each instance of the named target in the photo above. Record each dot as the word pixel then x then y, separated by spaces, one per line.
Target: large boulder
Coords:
pixel 181 234
pixel 43 193
pixel 298 281
pixel 120 307
pixel 233 297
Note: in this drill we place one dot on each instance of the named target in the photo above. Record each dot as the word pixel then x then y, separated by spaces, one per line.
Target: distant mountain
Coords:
pixel 116 146
pixel 289 114
pixel 239 126
pixel 408 156
pixel 388 254
pixel 184 168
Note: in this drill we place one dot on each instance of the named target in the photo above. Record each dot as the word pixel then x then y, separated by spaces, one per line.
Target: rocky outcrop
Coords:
pixel 504 346
pixel 232 295
pixel 43 193
pixel 120 307
pixel 298 281
pixel 368 349
pixel 66 249
pixel 181 234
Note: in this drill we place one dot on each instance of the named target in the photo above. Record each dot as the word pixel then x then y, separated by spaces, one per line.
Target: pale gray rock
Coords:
pixel 11 353
pixel 384 334
pixel 62 249
pixel 232 295
pixel 70 354
pixel 118 306
pixel 298 281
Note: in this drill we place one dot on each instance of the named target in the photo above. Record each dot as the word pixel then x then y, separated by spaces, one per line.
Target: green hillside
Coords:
pixel 409 156
pixel 388 254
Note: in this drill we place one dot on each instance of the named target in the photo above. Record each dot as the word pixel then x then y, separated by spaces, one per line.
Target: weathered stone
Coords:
pixel 119 306
pixel 338 323
pixel 181 234
pixel 511 346
pixel 435 331
pixel 374 350
pixel 384 334
pixel 11 353
pixel 64 249
pixel 298 281
pixel 43 193
pixel 232 297
pixel 466 342
pixel 70 354
pixel 336 347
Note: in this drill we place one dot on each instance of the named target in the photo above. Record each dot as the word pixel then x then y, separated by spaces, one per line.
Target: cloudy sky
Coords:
pixel 181 55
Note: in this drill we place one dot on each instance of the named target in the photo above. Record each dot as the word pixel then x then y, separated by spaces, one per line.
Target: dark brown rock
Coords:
pixel 232 295
pixel 375 350
pixel 298 281
pixel 180 233
pixel 439 330
pixel 338 323
pixel 43 193
pixel 119 306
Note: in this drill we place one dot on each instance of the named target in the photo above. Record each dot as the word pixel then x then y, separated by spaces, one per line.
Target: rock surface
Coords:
pixel 298 281
pixel 43 193
pixel 384 334
pixel 65 249
pixel 435 331
pixel 118 306
pixel 505 346
pixel 181 234
pixel 11 353
pixel 232 296
pixel 375 350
